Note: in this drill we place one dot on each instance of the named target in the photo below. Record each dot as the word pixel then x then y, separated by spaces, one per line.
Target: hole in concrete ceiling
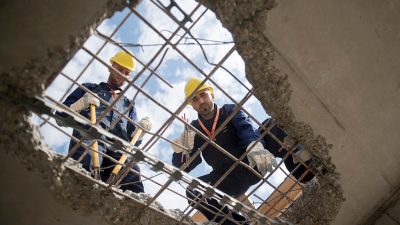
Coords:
pixel 165 61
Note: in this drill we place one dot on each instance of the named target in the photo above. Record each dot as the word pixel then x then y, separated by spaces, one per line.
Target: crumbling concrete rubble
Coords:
pixel 245 19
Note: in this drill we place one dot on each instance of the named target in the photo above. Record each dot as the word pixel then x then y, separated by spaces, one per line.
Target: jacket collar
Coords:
pixel 109 88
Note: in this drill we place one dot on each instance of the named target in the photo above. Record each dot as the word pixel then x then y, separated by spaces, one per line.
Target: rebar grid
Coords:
pixel 142 155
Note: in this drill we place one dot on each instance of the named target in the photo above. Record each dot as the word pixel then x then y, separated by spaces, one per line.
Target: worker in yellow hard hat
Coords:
pixel 238 137
pixel 79 101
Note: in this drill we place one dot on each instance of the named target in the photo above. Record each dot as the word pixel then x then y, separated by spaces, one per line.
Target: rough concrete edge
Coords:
pixel 245 19
pixel 21 139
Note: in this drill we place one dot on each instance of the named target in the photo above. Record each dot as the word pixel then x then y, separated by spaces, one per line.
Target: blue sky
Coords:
pixel 174 68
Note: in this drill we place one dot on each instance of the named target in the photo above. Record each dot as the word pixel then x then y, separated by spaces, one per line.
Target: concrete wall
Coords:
pixel 25 199
pixel 342 58
pixel 31 29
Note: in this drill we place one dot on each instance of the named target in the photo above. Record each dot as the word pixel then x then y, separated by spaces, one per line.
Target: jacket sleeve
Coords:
pixel 270 143
pixel 244 129
pixel 178 159
pixel 72 98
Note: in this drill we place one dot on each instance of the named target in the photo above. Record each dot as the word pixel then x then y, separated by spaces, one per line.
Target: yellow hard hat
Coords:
pixel 193 83
pixel 124 59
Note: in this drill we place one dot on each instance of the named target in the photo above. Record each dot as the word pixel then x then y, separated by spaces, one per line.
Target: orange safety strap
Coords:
pixel 114 93
pixel 210 134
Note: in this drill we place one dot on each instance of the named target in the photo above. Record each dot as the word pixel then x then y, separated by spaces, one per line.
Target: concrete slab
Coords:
pixel 30 29
pixel 25 200
pixel 341 58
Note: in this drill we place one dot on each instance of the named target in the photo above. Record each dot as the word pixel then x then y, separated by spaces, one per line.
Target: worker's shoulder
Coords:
pixel 90 86
pixel 228 108
pixel 194 122
pixel 128 102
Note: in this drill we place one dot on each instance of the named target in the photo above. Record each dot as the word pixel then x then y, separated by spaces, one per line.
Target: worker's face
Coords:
pixel 116 79
pixel 203 103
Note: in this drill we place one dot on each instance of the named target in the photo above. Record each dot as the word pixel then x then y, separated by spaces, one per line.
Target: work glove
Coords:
pixel 186 139
pixel 301 156
pixel 84 102
pixel 145 124
pixel 261 157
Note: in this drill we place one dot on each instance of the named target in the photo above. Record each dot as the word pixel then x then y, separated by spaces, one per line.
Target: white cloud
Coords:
pixel 165 198
pixel 53 137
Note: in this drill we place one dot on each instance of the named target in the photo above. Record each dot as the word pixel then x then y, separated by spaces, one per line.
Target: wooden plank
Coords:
pixel 276 202
pixel 199 217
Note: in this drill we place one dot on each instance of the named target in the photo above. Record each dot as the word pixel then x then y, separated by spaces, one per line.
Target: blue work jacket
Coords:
pixel 122 128
pixel 234 138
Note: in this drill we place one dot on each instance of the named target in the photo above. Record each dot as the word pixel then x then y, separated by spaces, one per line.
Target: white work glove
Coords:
pixel 146 125
pixel 301 156
pixel 84 102
pixel 261 157
pixel 186 139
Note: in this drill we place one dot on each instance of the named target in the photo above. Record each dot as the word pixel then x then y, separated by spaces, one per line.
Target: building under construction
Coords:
pixel 327 72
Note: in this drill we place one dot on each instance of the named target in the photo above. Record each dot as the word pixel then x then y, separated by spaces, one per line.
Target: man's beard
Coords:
pixel 205 108
pixel 116 83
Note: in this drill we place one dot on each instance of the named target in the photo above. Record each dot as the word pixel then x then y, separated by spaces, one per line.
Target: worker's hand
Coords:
pixel 145 124
pixel 186 139
pixel 261 157
pixel 84 102
pixel 301 156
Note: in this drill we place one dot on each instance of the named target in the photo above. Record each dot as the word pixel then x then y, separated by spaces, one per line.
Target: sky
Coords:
pixel 173 68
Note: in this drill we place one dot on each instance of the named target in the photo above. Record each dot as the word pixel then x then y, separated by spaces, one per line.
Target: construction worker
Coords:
pixel 236 138
pixel 79 101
